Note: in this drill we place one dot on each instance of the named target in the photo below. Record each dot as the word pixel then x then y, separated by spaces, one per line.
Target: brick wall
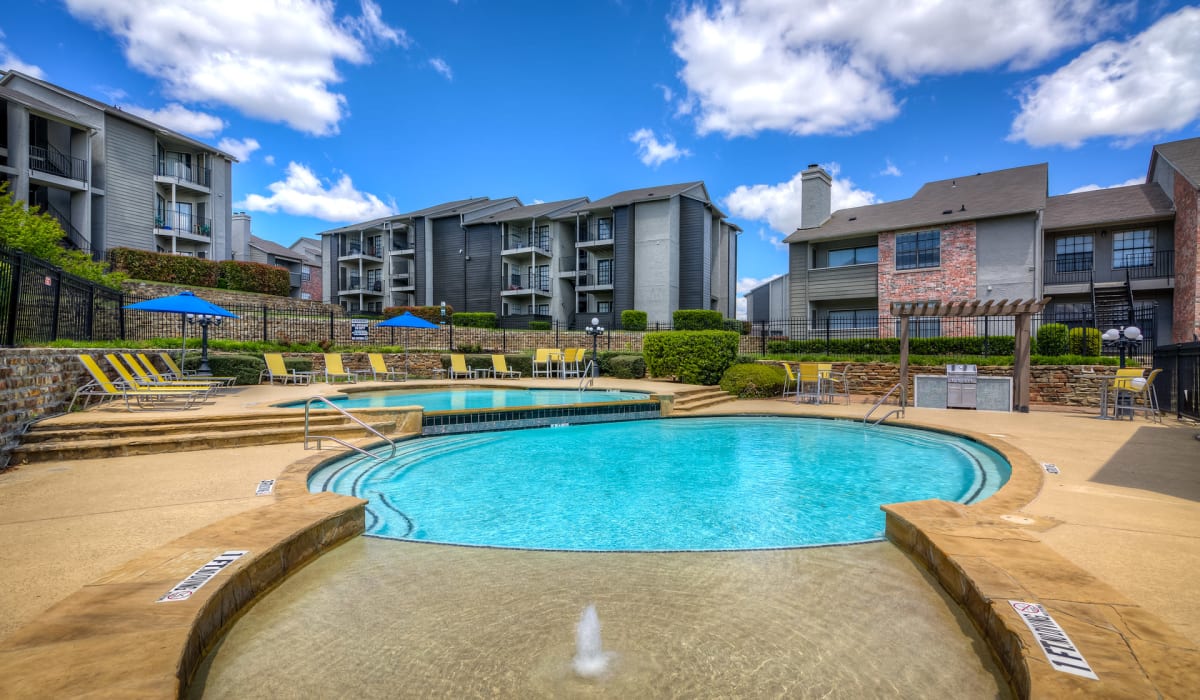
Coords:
pixel 1186 318
pixel 953 280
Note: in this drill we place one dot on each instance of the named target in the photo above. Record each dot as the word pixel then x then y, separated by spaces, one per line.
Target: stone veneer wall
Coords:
pixel 1186 320
pixel 222 297
pixel 953 280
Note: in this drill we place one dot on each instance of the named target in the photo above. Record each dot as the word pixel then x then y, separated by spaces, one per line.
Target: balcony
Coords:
pixel 351 251
pixel 294 279
pixel 355 285
pixel 594 281
pixel 173 223
pixel 518 284
pixel 51 161
pixel 1076 269
pixel 594 237
pixel 403 283
pixel 517 244
pixel 404 247
pixel 180 173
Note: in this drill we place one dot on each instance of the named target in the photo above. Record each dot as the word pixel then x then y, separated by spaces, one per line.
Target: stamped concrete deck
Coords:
pixel 1110 544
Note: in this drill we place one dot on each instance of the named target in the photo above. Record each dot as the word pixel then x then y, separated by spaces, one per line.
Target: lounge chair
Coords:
pixel 379 369
pixel 148 376
pixel 335 370
pixel 458 367
pixel 103 387
pixel 543 361
pixel 500 368
pixel 129 380
pixel 277 371
pixel 172 371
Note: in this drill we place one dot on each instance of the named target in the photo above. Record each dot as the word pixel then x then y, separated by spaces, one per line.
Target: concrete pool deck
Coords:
pixel 1124 510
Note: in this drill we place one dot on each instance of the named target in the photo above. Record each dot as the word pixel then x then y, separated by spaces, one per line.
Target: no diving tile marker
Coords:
pixel 1050 468
pixel 1060 651
pixel 266 487
pixel 185 588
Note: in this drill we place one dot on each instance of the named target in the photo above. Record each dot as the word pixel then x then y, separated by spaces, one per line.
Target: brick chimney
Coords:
pixel 815 196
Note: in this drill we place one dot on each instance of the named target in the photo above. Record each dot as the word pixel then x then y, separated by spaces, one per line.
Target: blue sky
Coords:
pixel 347 111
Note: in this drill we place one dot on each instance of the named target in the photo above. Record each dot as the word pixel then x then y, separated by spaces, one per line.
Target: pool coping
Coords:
pixel 112 637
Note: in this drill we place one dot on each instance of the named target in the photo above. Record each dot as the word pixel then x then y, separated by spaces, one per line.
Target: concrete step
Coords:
pixel 72 433
pixel 711 401
pixel 697 398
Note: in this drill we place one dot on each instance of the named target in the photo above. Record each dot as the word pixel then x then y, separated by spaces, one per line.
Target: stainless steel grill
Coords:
pixel 962 382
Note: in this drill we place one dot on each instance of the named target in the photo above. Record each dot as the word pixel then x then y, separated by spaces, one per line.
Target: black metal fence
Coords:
pixel 1178 386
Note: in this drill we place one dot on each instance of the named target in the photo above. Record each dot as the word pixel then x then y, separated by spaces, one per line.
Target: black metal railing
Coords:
pixel 74 236
pixel 48 159
pixel 1076 268
pixel 1178 385
pixel 183 222
pixel 357 249
pixel 185 173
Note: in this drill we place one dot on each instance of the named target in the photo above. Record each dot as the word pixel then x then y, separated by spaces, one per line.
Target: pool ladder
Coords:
pixel 879 403
pixel 318 438
pixel 586 379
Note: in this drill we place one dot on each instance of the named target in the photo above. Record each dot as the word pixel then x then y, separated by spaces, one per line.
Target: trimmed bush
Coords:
pixel 160 267
pixel 965 345
pixel 623 366
pixel 740 327
pixel 1084 341
pixel 633 320
pixel 753 381
pixel 697 320
pixel 1052 339
pixel 539 325
pixel 692 357
pixel 244 276
pixel 475 319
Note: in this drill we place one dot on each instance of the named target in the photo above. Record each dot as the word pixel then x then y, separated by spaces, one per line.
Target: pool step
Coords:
pixel 692 399
pixel 113 439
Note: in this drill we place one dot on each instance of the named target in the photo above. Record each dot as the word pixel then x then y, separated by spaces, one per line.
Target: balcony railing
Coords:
pixel 518 282
pixel 74 236
pixel 356 249
pixel 294 279
pixel 592 279
pixel 593 235
pixel 48 159
pixel 1077 269
pixel 518 241
pixel 185 173
pixel 355 284
pixel 183 223
pixel 402 244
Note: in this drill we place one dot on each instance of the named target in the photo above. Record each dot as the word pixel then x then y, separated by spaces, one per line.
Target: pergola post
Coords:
pixel 904 361
pixel 1021 367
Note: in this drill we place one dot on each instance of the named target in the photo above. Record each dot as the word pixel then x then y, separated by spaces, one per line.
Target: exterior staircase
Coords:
pixel 691 399
pixel 50 442
pixel 1112 303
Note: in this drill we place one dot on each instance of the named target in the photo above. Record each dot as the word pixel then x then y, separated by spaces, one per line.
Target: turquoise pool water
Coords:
pixel 740 482
pixel 476 399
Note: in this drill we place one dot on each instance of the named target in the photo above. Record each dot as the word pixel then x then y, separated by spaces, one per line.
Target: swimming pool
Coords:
pixel 697 484
pixel 477 399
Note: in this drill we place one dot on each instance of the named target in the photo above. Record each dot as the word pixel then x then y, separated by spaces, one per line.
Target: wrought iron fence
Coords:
pixel 1178 386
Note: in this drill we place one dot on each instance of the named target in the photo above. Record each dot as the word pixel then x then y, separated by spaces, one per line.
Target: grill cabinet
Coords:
pixel 962 382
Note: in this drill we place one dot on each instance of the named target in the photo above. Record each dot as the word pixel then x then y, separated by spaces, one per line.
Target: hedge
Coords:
pixel 475 319
pixel 697 320
pixel 965 345
pixel 754 381
pixel 539 325
pixel 622 366
pixel 633 320
pixel 692 357
pixel 235 275
pixel 1052 339
pixel 245 367
pixel 244 276
pixel 1084 341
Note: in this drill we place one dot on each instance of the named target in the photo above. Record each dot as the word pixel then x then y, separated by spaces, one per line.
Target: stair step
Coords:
pixel 40 434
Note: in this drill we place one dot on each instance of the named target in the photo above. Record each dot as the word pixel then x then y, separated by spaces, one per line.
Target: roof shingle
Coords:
pixel 1111 206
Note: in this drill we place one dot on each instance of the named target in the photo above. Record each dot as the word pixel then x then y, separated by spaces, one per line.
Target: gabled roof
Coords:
pixel 459 206
pixel 37 105
pixel 969 198
pixel 1112 206
pixel 648 194
pixel 116 112
pixel 275 249
pixel 533 211
pixel 1183 155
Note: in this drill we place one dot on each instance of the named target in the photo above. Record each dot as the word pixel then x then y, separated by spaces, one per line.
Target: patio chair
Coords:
pixel 1111 390
pixel 835 382
pixel 130 381
pixel 570 362
pixel 789 380
pixel 1142 398
pixel 277 371
pixel 379 369
pixel 808 382
pixel 500 368
pixel 147 375
pixel 335 370
pixel 172 371
pixel 543 361
pixel 103 387
pixel 458 367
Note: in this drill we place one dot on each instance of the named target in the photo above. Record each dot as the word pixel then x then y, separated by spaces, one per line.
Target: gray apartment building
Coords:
pixel 111 178
pixel 656 249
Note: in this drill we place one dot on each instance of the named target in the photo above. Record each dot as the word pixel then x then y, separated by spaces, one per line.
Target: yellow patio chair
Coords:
pixel 570 362
pixel 102 387
pixel 335 370
pixel 543 361
pixel 458 367
pixel 1139 389
pixel 500 368
pixel 1111 392
pixel 172 371
pixel 379 369
pixel 149 377
pixel 277 371
pixel 789 380
pixel 836 383
pixel 808 387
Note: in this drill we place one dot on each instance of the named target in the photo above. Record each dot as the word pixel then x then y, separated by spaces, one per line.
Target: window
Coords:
pixel 919 327
pixel 853 318
pixel 583 258
pixel 1133 249
pixel 1073 254
pixel 603 229
pixel 916 250
pixel 305 296
pixel 862 255
pixel 603 307
pixel 543 309
pixel 305 273
pixel 183 216
pixel 504 309
pixel 604 272
pixel 581 306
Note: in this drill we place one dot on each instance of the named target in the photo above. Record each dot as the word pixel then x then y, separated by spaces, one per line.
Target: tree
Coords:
pixel 40 235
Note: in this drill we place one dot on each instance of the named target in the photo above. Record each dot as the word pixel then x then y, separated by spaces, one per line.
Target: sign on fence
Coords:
pixel 360 329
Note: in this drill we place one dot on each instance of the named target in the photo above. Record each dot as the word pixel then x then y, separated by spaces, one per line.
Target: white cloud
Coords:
pixel 891 169
pixel 303 194
pixel 654 153
pixel 269 159
pixel 667 93
pixel 179 118
pixel 239 148
pixel 1089 188
pixel 831 66
pixel 1148 84
pixel 779 204
pixel 269 60
pixel 442 67
pixel 9 61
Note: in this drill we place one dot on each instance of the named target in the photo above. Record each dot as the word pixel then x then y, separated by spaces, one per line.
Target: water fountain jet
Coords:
pixel 591 661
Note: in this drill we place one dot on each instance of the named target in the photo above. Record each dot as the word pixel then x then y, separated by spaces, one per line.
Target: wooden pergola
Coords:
pixel 1021 310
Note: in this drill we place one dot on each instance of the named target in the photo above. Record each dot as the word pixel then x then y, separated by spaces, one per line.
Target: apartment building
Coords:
pixel 654 249
pixel 111 178
pixel 1112 254
pixel 302 259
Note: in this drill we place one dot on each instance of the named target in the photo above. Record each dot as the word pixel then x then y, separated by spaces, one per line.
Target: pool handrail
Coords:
pixel 343 443
pixel 586 379
pixel 879 403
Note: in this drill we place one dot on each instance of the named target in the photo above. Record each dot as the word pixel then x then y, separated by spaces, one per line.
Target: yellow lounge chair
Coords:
pixel 276 370
pixel 335 370
pixel 458 367
pixel 379 369
pixel 500 368
pixel 172 371
pixel 1137 388
pixel 103 387
pixel 151 378
pixel 129 381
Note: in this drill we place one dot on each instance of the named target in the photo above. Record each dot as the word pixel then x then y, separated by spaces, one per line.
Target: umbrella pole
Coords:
pixel 406 353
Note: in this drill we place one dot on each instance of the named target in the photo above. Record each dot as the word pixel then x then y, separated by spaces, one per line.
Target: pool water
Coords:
pixel 697 484
pixel 476 399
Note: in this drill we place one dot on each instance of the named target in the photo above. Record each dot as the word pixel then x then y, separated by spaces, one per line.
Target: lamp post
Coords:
pixel 205 320
pixel 595 330
pixel 1127 338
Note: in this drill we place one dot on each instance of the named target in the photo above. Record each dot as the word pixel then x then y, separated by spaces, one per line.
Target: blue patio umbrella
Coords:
pixel 193 308
pixel 406 320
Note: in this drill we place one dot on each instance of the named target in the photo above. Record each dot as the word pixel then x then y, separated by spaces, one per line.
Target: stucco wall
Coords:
pixel 656 259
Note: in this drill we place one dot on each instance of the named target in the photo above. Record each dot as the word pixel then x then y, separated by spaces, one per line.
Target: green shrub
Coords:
pixel 475 319
pixel 633 320
pixel 753 381
pixel 965 345
pixel 1052 339
pixel 245 367
pixel 692 357
pixel 539 325
pixel 697 320
pixel 469 348
pixel 243 276
pixel 623 366
pixel 1084 341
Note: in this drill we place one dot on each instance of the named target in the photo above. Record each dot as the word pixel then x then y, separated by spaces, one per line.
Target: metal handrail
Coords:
pixel 586 379
pixel 879 403
pixel 343 443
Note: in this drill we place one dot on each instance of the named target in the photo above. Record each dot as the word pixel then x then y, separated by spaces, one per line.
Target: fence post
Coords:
pixel 57 305
pixel 121 315
pixel 451 324
pixel 828 320
pixel 503 339
pixel 331 336
pixel 557 344
pixel 762 338
pixel 986 331
pixel 14 301
pixel 264 317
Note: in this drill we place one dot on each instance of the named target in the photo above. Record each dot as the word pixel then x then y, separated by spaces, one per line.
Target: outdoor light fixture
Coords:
pixel 1127 338
pixel 205 320
pixel 595 330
